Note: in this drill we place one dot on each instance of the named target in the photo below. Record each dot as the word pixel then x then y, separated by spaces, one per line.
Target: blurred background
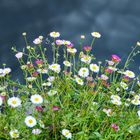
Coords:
pixel 117 20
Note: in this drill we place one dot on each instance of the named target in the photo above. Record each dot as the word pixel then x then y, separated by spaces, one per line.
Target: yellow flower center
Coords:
pixel 14 102
pixel 30 121
pixel 36 99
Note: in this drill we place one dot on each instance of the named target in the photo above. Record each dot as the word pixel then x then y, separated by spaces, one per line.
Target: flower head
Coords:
pixel 54 34
pixel 83 72
pixel 115 58
pixel 14 102
pixel 14 133
pixel 124 85
pixel 67 63
pixel 86 59
pixel 129 74
pixel 36 99
pixel 52 92
pixel 55 67
pixel 79 81
pixel 66 133
pixel 96 34
pixel 37 41
pixel 30 121
pixel 115 127
pixel 87 48
pixel 19 55
pixel 36 131
pixel 94 68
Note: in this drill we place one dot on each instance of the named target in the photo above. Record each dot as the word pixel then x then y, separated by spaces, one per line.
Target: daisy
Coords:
pixel 43 71
pixel 116 102
pixel 94 68
pixel 115 97
pixel 52 92
pixel 19 55
pixel 83 72
pixel 66 42
pixel 36 99
pixel 67 63
pixel 31 79
pixel 6 71
pixel 51 78
pixel 124 85
pixel 47 84
pixel 79 81
pixel 14 102
pixel 129 74
pixel 86 59
pixel 36 131
pixel 37 41
pixel 14 133
pixel 96 34
pixel 54 34
pixel 66 133
pixel 0 101
pixel 135 102
pixel 108 112
pixel 30 121
pixel 71 50
pixel 59 42
pixel 55 67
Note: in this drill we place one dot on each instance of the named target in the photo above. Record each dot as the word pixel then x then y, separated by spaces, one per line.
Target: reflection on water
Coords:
pixel 117 20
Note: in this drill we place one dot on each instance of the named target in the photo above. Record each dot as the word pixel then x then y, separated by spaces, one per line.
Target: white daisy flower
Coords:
pixel 52 92
pixel 19 55
pixel 135 102
pixel 31 79
pixel 36 131
pixel 14 133
pixel 37 41
pixel 108 112
pixel 66 42
pixel 66 133
pixel 129 74
pixel 55 67
pixel 36 99
pixel 86 59
pixel 96 34
pixel 79 81
pixel 115 97
pixel 83 72
pixel 124 85
pixel 116 102
pixel 47 84
pixel 6 71
pixel 94 68
pixel 1 101
pixel 112 68
pixel 71 50
pixel 43 71
pixel 30 121
pixel 67 63
pixel 14 102
pixel 54 34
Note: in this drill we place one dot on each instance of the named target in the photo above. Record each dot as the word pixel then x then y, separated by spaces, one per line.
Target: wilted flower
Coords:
pixel 14 133
pixel 30 121
pixel 39 62
pixel 14 102
pixel 36 99
pixel 55 108
pixel 96 34
pixel 115 58
pixel 59 42
pixel 87 48
pixel 19 55
pixel 39 108
pixel 83 72
pixel 94 68
pixel 66 133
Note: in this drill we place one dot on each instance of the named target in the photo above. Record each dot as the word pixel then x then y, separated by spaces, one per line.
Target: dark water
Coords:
pixel 117 20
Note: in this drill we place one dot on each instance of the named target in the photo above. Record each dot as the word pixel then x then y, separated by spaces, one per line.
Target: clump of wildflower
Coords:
pixel 36 99
pixel 14 133
pixel 66 133
pixel 30 121
pixel 14 102
pixel 96 34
